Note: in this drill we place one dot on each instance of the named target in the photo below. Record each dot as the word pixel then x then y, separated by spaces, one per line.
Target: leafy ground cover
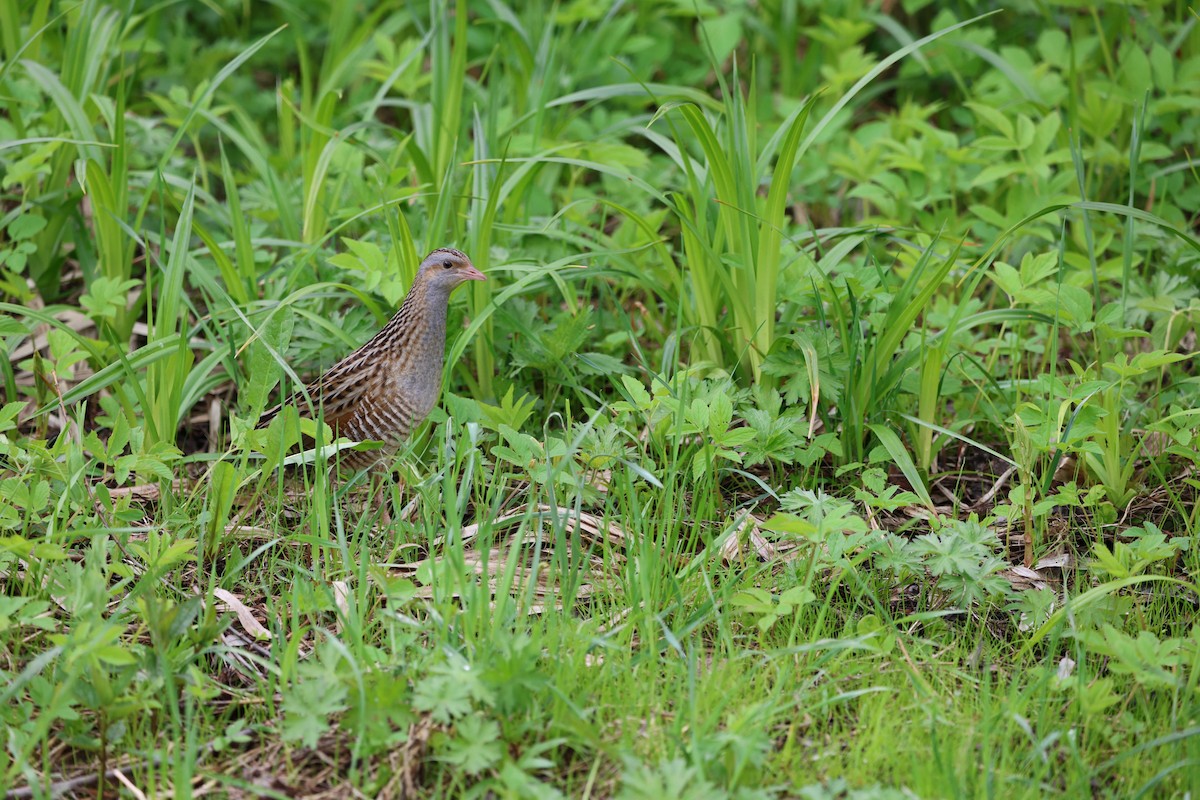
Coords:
pixel 828 427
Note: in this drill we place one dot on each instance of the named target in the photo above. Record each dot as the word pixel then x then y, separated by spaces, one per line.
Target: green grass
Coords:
pixel 827 427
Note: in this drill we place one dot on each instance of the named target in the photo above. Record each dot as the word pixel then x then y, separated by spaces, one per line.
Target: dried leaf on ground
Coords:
pixel 245 616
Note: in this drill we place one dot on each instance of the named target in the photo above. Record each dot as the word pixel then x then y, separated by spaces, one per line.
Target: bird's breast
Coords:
pixel 417 382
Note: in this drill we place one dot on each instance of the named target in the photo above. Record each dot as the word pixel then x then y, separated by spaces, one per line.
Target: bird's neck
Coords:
pixel 420 323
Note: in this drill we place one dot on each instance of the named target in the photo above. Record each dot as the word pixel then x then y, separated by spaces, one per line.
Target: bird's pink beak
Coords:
pixel 474 274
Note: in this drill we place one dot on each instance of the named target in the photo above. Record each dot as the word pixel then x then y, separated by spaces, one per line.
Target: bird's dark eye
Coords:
pixel 447 264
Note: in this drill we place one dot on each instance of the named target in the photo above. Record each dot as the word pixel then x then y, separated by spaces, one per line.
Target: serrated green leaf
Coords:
pixel 26 226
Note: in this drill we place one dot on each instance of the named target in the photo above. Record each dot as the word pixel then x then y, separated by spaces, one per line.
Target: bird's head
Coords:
pixel 446 268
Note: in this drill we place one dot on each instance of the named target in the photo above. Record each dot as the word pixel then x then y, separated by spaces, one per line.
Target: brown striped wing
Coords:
pixel 339 393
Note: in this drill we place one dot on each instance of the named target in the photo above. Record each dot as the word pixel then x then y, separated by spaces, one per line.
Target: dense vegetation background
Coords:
pixel 828 426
